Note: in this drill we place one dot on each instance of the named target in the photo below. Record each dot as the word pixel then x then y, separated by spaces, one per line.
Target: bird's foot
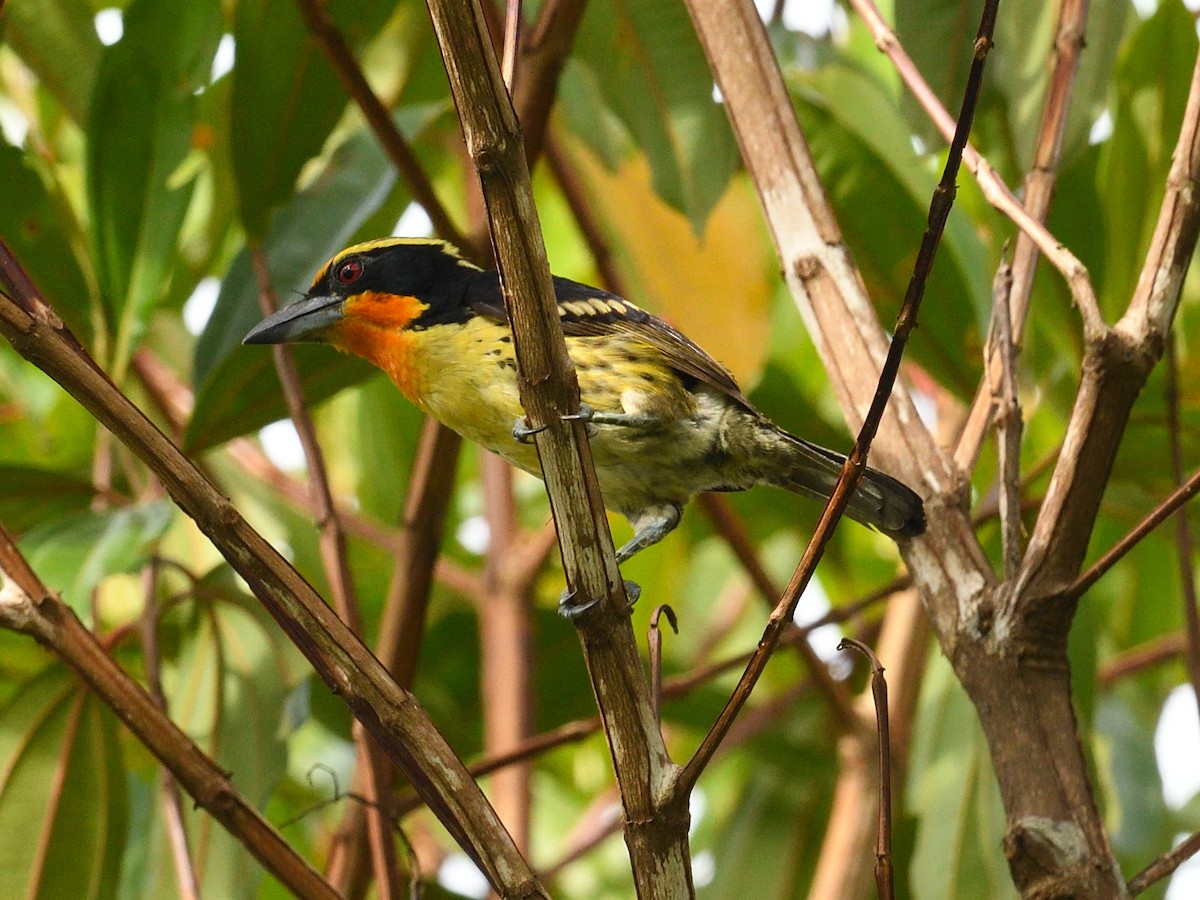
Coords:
pixel 587 416
pixel 523 432
pixel 572 611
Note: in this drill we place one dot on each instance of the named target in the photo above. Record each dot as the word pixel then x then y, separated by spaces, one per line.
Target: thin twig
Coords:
pixel 598 822
pixel 1164 865
pixel 573 732
pixel 1136 659
pixel 1153 519
pixel 1115 367
pixel 835 693
pixel 185 870
pixel 654 645
pixel 542 55
pixel 512 43
pixel 583 211
pixel 402 622
pixel 1008 421
pixel 656 835
pixel 855 465
pixel 1183 531
pixel 1036 195
pixel 884 881
pixel 994 189
pixel 506 665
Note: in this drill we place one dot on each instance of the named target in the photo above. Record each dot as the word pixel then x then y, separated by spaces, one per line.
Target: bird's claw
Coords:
pixel 585 415
pixel 566 608
pixel 523 432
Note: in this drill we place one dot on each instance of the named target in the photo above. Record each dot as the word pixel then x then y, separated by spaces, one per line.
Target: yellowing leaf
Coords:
pixel 717 287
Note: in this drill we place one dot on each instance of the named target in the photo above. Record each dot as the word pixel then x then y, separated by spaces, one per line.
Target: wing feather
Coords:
pixel 590 312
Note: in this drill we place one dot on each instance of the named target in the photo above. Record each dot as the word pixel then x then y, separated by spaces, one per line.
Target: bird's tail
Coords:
pixel 880 500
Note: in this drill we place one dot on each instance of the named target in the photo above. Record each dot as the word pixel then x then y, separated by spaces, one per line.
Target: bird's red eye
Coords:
pixel 349 271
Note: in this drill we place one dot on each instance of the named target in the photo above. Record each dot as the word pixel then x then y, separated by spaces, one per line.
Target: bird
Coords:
pixel 665 420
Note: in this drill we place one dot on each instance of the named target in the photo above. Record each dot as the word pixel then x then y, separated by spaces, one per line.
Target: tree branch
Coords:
pixel 656 836
pixel 1037 193
pixel 1115 367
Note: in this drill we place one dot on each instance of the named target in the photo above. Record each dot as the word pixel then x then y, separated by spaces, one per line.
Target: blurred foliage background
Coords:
pixel 147 145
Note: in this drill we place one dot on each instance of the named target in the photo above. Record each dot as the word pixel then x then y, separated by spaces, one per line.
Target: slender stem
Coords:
pixel 1137 659
pixel 654 645
pixel 1008 422
pixel 835 693
pixel 402 623
pixel 185 870
pixel 884 881
pixel 1153 519
pixel 1036 196
pixel 1165 865
pixel 512 43
pixel 994 189
pixel 656 835
pixel 506 664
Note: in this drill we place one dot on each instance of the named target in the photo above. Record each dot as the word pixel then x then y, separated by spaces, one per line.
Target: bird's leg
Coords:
pixel 523 432
pixel 651 525
pixel 628 420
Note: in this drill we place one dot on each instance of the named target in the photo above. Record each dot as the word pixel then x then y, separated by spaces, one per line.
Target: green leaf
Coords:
pixel 777 810
pixel 30 495
pixel 953 795
pixel 228 671
pixel 236 388
pixel 62 792
pixel 140 127
pixel 32 229
pixel 58 42
pixel 644 58
pixel 866 162
pixel 1022 79
pixel 939 36
pixel 75 553
pixel 1152 79
pixel 1139 824
pixel 286 98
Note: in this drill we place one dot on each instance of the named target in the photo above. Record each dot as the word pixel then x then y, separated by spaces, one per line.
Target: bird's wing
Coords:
pixel 590 312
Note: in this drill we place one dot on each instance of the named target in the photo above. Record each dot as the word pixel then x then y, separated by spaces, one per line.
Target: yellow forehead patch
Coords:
pixel 379 243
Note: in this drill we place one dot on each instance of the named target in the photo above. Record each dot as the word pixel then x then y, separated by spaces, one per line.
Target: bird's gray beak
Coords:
pixel 303 321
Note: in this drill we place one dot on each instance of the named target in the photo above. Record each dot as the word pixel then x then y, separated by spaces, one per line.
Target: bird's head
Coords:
pixel 394 284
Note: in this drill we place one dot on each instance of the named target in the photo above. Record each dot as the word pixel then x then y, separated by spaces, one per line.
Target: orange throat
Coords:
pixel 373 328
